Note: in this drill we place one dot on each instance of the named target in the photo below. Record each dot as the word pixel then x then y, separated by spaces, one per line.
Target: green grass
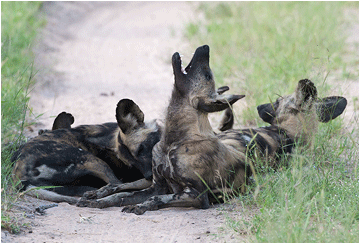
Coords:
pixel 19 25
pixel 18 30
pixel 256 45
pixel 316 198
pixel 263 49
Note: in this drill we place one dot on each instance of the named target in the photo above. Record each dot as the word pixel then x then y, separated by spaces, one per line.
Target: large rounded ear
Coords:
pixel 63 121
pixel 305 92
pixel 267 112
pixel 329 108
pixel 128 115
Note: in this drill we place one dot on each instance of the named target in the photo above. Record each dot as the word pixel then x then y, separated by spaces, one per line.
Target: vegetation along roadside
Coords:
pixel 19 25
pixel 263 49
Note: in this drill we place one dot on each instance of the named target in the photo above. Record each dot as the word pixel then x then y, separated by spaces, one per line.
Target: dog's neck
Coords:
pixel 183 121
pixel 300 128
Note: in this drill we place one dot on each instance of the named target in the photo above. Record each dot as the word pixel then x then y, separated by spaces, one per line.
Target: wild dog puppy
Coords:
pixel 190 159
pixel 87 157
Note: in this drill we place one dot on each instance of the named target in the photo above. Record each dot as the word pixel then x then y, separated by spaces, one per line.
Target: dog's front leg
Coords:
pixel 190 197
pixel 124 198
pixel 110 188
pixel 109 201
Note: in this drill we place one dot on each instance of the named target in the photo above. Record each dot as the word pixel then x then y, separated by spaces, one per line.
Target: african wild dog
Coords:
pixel 84 158
pixel 189 159
pixel 180 117
pixel 132 139
pixel 87 157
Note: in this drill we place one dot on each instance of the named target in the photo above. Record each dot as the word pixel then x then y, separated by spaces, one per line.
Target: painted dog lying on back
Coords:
pixel 190 159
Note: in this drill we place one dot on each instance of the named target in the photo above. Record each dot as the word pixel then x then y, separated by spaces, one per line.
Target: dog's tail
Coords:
pixel 227 120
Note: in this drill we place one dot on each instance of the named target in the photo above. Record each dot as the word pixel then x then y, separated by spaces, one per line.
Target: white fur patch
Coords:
pixel 45 172
pixel 247 138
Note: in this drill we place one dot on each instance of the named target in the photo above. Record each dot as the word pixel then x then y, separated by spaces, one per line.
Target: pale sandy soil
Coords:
pixel 89 57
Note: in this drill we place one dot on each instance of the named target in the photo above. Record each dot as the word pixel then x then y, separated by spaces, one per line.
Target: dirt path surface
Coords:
pixel 94 54
pixel 66 223
pixel 91 55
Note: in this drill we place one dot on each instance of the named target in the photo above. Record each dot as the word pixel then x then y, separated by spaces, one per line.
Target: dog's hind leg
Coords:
pixel 49 195
pixel 97 167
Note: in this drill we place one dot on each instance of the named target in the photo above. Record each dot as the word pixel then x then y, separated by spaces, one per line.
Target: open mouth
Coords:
pixel 188 67
pixel 201 56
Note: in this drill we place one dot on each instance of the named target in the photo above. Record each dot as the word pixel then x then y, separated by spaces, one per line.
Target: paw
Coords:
pixel 102 192
pixel 83 202
pixel 136 209
pixel 90 195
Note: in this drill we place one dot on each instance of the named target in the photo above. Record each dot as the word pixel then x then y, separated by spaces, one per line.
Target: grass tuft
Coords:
pixel 19 25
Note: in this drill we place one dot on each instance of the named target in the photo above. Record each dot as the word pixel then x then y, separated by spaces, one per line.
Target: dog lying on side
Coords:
pixel 190 159
pixel 85 158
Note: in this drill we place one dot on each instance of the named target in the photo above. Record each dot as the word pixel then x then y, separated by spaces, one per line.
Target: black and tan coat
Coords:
pixel 90 160
pixel 87 157
pixel 190 159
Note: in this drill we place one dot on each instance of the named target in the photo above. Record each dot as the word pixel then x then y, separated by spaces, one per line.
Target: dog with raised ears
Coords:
pixel 190 159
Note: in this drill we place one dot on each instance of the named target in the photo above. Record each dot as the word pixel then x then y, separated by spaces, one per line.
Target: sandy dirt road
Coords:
pixel 94 54
pixel 91 55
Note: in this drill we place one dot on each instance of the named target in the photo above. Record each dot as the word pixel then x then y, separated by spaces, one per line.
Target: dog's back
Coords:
pixel 78 159
pixel 59 158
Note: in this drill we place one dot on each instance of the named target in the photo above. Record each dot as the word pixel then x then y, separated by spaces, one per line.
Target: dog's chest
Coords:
pixel 183 163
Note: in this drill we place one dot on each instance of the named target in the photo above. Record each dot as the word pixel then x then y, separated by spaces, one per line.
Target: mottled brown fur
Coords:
pixel 190 159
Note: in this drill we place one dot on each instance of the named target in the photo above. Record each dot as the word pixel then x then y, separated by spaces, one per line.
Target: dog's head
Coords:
pixel 196 83
pixel 299 112
pixel 139 137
